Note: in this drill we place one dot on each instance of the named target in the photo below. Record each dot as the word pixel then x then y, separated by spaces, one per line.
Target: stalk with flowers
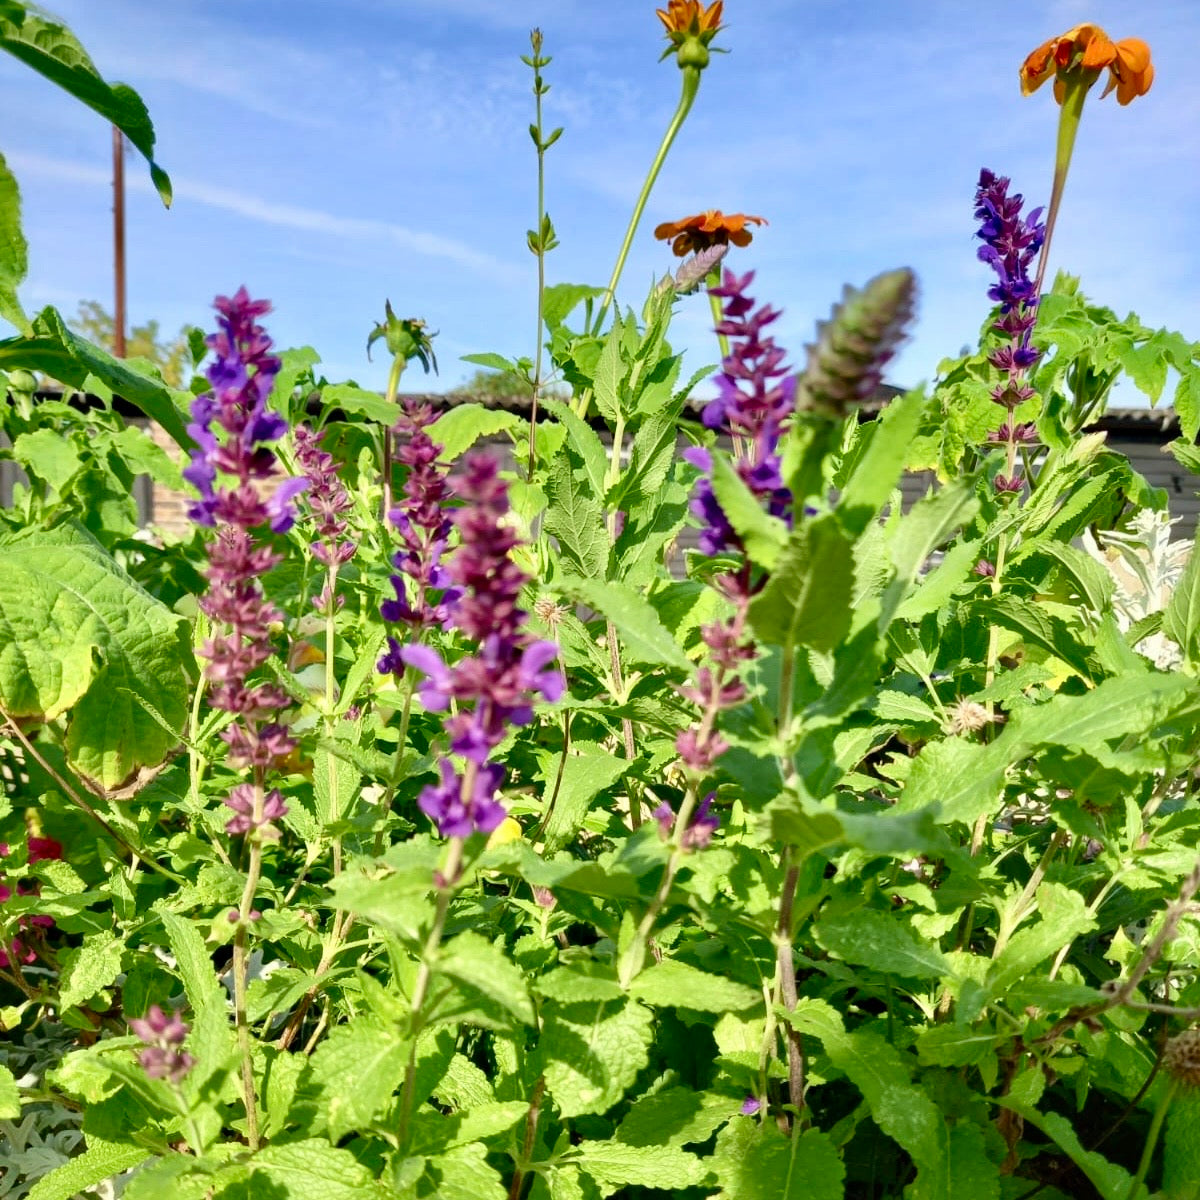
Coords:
pixel 914 900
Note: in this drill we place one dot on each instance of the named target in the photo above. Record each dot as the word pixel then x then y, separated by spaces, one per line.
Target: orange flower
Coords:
pixel 1089 48
pixel 690 28
pixel 711 228
pixel 690 16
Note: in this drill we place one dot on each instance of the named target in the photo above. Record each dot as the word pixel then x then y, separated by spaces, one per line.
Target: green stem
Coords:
pixel 541 271
pixel 691 85
pixel 1156 1124
pixel 450 873
pixel 398 762
pixel 718 314
pixel 240 968
pixel 393 387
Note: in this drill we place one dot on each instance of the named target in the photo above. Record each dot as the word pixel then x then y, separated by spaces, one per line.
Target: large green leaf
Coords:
pixel 458 429
pixel 807 600
pixel 880 941
pixel 51 49
pixel 642 633
pixel 100 1161
pixel 78 635
pixel 758 1162
pixel 357 1069
pixel 14 260
pixel 575 518
pixel 56 351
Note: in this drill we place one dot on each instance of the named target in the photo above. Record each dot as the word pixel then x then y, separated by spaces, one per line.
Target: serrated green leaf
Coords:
pixel 560 300
pixel 1181 621
pixel 583 776
pixel 315 1170
pixel 1062 917
pixel 764 536
pixel 14 257
pixel 78 635
pixel 51 49
pixel 643 635
pixel 881 942
pixel 759 1162
pixel 612 1164
pixel 877 471
pixel 360 402
pixel 10 1098
pixel 1187 402
pixel 610 371
pixel 87 969
pixel 100 1161
pixel 358 1067
pixel 964 1170
pixel 1038 627
pixel 675 1116
pixel 458 429
pixel 575 520
pixel 674 984
pixel 465 1171
pixel 584 438
pixel 471 959
pixel 47 455
pixel 591 1053
pixel 807 599
pixel 397 899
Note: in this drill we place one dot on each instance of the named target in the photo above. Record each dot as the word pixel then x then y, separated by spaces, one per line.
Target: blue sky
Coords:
pixel 332 153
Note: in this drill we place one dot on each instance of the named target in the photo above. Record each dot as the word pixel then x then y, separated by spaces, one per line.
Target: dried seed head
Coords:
pixel 1181 1059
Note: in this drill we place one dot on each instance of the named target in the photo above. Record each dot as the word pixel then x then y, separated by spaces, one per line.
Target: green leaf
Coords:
pixel 471 959
pixel 674 984
pixel 642 633
pixel 675 1116
pixel 211 1038
pixel 78 635
pixel 10 1098
pixel 357 1068
pixel 583 777
pixel 585 439
pixel 99 1162
pixel 575 520
pixel 397 898
pixel 1094 585
pixel 465 1171
pixel 1187 402
pixel 592 1052
pixel 315 1170
pixel 494 362
pixel 1063 916
pixel 433 1132
pixel 1038 627
pixel 49 456
pixel 92 966
pixel 881 942
pixel 877 472
pixel 458 429
pixel 764 536
pixel 965 1169
pixel 14 258
pixel 937 587
pixel 879 1071
pixel 759 1162
pixel 1181 1165
pixel 559 301
pixel 52 50
pixel 807 599
pixel 1111 1181
pixel 613 1164
pixel 361 403
pixel 62 354
pixel 1181 621
pixel 1186 453
pixel 610 371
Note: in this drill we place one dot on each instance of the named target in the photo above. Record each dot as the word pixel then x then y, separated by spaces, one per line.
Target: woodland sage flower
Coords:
pixel 163 1035
pixel 326 499
pixel 493 689
pixel 1087 51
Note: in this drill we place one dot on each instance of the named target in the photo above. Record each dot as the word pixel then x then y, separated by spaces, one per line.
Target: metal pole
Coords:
pixel 118 242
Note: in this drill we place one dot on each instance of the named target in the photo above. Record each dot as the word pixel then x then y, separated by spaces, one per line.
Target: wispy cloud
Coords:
pixel 281 215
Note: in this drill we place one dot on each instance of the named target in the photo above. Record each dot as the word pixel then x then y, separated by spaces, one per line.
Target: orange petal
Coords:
pixel 1037 68
pixel 740 237
pixel 1133 54
pixel 1098 50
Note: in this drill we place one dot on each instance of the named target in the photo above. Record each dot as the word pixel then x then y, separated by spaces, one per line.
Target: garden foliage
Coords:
pixel 432 821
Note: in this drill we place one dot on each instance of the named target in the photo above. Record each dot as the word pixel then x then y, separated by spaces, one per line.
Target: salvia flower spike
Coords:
pixel 845 363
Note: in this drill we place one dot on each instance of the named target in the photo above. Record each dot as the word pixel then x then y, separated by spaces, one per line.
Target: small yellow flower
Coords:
pixel 1088 48
pixel 711 228
pixel 690 28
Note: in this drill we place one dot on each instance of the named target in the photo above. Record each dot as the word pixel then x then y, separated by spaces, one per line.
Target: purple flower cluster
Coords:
pixel 495 688
pixel 241 379
pixel 21 948
pixel 1011 244
pixel 756 394
pixel 328 502
pixel 163 1035
pixel 700 828
pixel 423 524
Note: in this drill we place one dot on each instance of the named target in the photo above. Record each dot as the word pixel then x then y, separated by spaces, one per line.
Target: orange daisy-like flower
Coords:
pixel 711 228
pixel 1088 47
pixel 683 17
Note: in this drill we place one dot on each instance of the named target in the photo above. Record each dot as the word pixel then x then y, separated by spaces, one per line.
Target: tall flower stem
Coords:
pixel 450 873
pixel 1076 86
pixel 786 979
pixel 1152 1135
pixel 691 85
pixel 399 362
pixel 240 970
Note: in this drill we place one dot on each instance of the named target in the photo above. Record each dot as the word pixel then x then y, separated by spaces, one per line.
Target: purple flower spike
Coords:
pixel 163 1035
